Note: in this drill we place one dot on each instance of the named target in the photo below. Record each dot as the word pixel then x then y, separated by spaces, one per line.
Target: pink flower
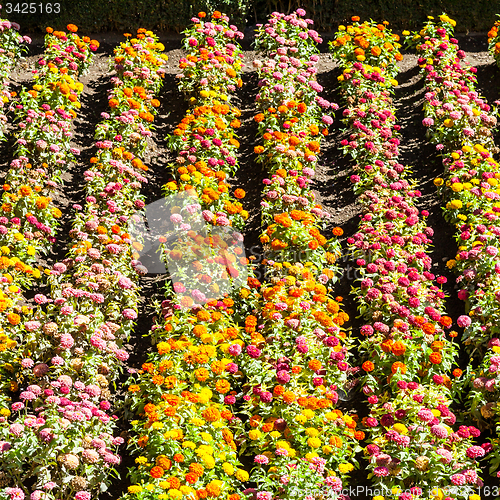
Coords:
pixel 15 493
pixel 463 321
pixel 83 495
pixel 16 429
pixel 129 314
pixel 475 451
pixel 440 431
pixel 264 495
pixel 261 459
pixel 67 341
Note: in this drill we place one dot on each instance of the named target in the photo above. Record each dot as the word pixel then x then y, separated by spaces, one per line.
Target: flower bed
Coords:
pixel 184 394
pixel 29 218
pixel 296 360
pixel 460 122
pixel 494 42
pixel 57 439
pixel 407 355
pixel 11 50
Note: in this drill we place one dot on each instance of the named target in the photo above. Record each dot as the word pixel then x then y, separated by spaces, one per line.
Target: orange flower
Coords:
pixel 268 427
pixel 213 488
pixel 196 468
pixel 156 472
pixel 239 193
pixel 288 397
pixel 301 107
pixel 398 348
pixel 174 482
pixel 446 321
pixel 457 372
pixel 216 15
pixel 355 19
pixel 222 386
pixel 163 462
pixel 429 328
pixel 398 366
pixel 314 365
pixel 13 318
pixel 336 441
pixel 73 28
pixel 279 390
pixel 368 366
pixel 212 414
pixel 191 478
pixel 201 15
pixel 435 358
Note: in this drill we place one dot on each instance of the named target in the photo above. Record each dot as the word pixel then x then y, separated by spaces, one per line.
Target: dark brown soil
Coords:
pixel 332 184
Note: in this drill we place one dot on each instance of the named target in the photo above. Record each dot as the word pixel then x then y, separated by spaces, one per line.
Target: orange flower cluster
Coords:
pixel 494 42
pixel 368 42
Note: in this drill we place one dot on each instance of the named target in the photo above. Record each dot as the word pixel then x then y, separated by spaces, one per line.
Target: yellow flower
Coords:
pixel 197 421
pixel 141 460
pixel 228 468
pixel 345 468
pixel 451 263
pixel 455 204
pixel 135 488
pixel 241 475
pixel 208 461
pixel 275 434
pixel 401 428
pixel 308 413
pixel 314 442
pixel 301 419
pixel 438 181
pixel 254 434
pixel 312 432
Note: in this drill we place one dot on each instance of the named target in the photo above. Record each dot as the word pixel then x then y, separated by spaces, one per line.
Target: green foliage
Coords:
pixel 175 15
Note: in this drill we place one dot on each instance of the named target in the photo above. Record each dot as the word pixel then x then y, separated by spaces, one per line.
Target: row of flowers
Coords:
pixel 297 364
pixel 57 438
pixel 407 351
pixel 184 395
pixel 494 41
pixel 12 46
pixel 29 218
pixel 460 123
